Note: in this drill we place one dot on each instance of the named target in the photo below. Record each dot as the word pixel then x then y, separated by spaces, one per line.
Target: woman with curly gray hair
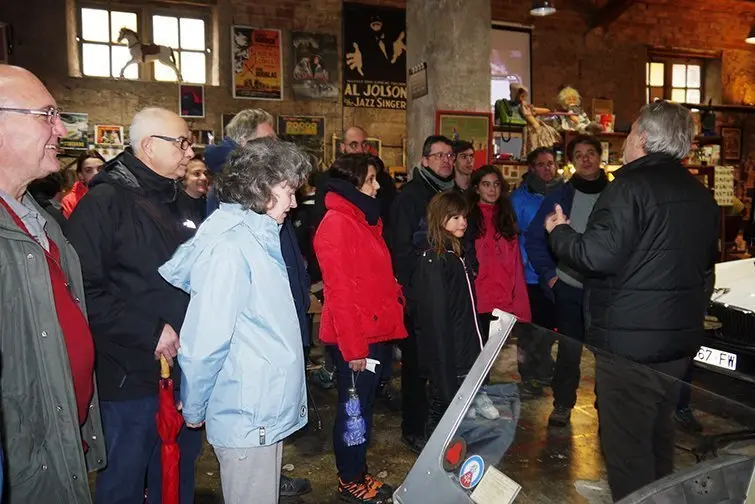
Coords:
pixel 241 350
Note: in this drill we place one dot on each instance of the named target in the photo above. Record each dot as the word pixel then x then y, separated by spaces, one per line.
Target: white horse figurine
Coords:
pixel 146 53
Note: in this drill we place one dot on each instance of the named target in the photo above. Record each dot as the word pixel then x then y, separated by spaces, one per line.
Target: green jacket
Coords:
pixel 43 442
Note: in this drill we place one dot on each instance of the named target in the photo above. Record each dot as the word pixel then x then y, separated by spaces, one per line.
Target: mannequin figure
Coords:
pixel 576 119
pixel 537 133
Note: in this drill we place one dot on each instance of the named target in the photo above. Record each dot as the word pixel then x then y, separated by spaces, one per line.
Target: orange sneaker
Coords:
pixel 359 492
pixel 376 484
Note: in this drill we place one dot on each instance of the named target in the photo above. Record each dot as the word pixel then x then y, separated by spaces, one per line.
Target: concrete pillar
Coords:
pixel 453 37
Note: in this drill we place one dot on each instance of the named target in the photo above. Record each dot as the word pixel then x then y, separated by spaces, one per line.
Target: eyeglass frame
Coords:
pixel 440 155
pixel 51 112
pixel 182 140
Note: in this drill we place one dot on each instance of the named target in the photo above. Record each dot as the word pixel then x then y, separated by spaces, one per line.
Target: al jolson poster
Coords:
pixel 374 65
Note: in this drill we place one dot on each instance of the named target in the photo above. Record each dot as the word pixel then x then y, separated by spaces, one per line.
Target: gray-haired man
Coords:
pixel 649 245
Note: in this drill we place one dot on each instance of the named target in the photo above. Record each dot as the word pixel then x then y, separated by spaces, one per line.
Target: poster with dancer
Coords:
pixel 308 133
pixel 315 66
pixel 257 63
pixel 374 57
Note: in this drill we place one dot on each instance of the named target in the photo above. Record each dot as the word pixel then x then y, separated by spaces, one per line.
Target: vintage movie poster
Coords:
pixel 315 62
pixel 77 128
pixel 257 63
pixel 374 57
pixel 191 100
pixel 308 133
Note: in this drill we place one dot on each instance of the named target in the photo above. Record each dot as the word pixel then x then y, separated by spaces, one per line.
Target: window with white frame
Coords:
pixel 103 56
pixel 676 79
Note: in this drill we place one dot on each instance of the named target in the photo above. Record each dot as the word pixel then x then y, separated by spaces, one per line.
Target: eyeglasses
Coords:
pixel 51 113
pixel 183 142
pixel 442 155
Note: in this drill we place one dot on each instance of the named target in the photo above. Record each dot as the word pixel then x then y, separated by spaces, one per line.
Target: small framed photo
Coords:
pixel 731 144
pixel 474 127
pixel 191 100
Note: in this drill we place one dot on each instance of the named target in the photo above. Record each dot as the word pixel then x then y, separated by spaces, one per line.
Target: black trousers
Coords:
pixel 413 386
pixel 571 329
pixel 686 394
pixel 636 404
pixel 533 342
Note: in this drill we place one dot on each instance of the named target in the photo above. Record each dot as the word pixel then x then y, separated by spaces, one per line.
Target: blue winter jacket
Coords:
pixel 539 254
pixel 241 352
pixel 526 204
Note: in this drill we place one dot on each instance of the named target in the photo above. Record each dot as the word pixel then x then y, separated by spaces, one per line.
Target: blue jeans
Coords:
pixel 133 452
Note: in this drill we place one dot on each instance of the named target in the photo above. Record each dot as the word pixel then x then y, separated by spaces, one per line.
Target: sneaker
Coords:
pixel 530 389
pixel 323 378
pixel 359 492
pixel 687 420
pixel 293 487
pixel 376 484
pixel 560 416
pixel 471 413
pixel 483 405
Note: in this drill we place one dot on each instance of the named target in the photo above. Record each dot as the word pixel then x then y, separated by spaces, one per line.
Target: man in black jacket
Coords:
pixel 407 215
pixel 127 226
pixel 649 244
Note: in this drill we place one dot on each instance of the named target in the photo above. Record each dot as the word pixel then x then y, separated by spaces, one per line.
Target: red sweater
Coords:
pixel 73 324
pixel 70 200
pixel 500 281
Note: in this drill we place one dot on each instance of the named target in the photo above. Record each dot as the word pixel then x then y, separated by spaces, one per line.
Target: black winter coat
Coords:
pixel 445 320
pixel 649 243
pixel 124 229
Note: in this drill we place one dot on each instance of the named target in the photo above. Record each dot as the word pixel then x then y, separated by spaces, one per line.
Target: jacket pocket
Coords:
pixel 23 456
pixel 263 393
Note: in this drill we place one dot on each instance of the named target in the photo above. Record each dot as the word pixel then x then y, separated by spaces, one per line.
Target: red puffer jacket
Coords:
pixel 363 300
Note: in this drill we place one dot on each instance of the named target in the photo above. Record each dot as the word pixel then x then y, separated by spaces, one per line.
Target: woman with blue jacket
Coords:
pixel 241 351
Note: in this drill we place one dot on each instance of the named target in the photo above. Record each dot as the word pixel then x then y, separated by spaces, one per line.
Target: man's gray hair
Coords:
pixel 668 128
pixel 243 126
pixel 254 169
pixel 145 124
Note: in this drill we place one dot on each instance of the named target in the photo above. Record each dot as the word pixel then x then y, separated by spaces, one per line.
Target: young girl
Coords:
pixel 497 260
pixel 447 327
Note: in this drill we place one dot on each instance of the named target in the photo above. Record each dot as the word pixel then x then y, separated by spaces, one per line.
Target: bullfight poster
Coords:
pixel 257 63
pixel 315 62
pixel 308 133
pixel 374 52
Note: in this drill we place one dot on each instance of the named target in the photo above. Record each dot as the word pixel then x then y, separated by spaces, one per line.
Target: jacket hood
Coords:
pixel 216 155
pixel 213 232
pixel 127 171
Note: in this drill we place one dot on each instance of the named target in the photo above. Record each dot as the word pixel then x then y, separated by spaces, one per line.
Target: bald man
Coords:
pixel 123 229
pixel 51 419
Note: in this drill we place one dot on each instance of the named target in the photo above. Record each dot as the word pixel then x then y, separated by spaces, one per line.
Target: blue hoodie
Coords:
pixel 215 157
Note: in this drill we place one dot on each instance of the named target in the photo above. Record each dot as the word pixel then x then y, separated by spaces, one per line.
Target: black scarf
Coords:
pixel 439 184
pixel 369 206
pixel 539 186
pixel 589 186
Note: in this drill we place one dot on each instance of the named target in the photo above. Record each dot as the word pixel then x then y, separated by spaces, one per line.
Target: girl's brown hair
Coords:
pixel 441 209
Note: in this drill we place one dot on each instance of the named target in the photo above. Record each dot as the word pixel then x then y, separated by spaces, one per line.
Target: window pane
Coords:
pixel 678 95
pixel 693 76
pixel 165 31
pixel 693 96
pixel 679 75
pixel 193 67
pixel 164 72
pixel 120 56
pixel 96 59
pixel 120 20
pixel 192 34
pixel 656 74
pixel 94 25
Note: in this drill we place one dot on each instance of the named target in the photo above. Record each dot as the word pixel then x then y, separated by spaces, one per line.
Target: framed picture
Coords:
pixel 191 100
pixel 110 135
pixel 731 144
pixel 375 146
pixel 474 127
pixel 257 56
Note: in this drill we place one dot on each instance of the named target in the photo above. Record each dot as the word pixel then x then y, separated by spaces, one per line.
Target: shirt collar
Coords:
pixel 23 208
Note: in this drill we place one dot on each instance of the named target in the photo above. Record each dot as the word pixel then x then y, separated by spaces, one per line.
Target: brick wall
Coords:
pixel 604 63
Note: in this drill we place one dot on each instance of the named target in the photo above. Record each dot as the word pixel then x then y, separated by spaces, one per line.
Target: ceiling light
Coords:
pixel 751 37
pixel 542 8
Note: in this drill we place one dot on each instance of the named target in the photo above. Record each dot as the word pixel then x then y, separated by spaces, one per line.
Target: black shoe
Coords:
pixel 687 420
pixel 323 379
pixel 294 487
pixel 530 389
pixel 560 416
pixel 415 443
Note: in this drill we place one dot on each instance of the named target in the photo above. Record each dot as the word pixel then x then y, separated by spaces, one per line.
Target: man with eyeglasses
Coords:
pixel 463 164
pixel 51 419
pixel 434 175
pixel 124 229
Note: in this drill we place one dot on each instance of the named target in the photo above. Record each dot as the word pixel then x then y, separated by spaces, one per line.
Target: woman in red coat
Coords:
pixel 87 166
pixel 363 309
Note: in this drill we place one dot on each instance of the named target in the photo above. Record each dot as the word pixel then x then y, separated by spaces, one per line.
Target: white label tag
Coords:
pixel 495 488
pixel 372 364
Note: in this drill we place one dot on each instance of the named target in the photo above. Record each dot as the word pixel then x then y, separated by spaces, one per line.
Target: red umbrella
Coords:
pixel 169 423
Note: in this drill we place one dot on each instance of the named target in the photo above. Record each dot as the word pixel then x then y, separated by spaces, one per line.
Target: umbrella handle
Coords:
pixel 164 368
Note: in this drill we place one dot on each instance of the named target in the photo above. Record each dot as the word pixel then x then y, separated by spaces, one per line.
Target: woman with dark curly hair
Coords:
pixel 241 349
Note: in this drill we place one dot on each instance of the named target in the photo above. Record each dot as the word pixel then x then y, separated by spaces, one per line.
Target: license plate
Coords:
pixel 717 358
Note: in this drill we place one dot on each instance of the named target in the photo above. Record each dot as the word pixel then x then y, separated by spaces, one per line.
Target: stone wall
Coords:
pixel 603 63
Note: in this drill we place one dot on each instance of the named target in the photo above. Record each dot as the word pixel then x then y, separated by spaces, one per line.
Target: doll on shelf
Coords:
pixel 536 132
pixel 574 117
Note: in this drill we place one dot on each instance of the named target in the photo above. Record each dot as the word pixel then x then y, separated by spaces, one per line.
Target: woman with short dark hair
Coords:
pixel 87 166
pixel 241 350
pixel 363 311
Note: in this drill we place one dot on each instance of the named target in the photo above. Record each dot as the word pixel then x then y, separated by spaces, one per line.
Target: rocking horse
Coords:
pixel 146 53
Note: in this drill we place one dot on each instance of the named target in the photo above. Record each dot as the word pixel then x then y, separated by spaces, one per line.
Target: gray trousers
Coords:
pixel 250 475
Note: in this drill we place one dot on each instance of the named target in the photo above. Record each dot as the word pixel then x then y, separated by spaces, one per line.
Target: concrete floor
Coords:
pixel 552 465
